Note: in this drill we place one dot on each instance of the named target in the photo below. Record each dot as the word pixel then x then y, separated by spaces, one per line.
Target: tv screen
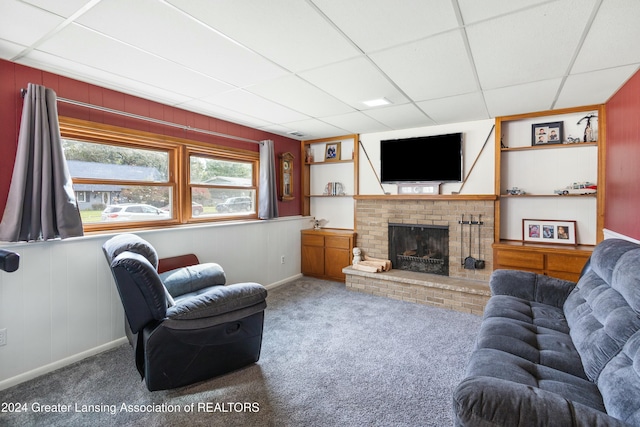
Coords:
pixel 435 158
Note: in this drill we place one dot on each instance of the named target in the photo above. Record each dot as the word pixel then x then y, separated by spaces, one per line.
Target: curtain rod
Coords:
pixel 23 93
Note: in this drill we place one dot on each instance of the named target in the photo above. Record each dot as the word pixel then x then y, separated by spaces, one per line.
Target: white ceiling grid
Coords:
pixel 307 65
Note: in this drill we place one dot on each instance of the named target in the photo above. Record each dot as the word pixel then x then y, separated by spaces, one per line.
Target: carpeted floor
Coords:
pixel 330 357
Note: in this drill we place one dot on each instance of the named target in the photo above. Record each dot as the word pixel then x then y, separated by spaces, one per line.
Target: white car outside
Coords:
pixel 133 212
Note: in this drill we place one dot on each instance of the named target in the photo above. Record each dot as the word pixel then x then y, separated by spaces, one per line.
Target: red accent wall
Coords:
pixel 622 197
pixel 14 76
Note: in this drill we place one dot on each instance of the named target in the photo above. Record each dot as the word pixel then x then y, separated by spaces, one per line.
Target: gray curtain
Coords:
pixel 268 199
pixel 41 204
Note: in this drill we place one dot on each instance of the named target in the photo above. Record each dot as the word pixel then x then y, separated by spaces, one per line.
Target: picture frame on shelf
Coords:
pixel 547 133
pixel 332 152
pixel 549 231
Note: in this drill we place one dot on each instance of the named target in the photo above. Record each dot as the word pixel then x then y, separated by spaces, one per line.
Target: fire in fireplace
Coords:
pixel 421 248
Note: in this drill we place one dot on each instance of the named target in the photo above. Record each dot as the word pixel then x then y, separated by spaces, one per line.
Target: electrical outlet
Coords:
pixel 3 336
pixel 282 259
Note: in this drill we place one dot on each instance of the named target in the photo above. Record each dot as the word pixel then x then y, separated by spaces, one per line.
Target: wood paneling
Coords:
pixel 622 202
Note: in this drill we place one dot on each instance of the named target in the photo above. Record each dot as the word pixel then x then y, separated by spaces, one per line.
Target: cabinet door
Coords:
pixel 313 260
pixel 335 260
pixel 521 260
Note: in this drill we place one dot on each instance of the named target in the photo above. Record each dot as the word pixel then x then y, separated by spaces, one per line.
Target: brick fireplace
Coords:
pixel 463 289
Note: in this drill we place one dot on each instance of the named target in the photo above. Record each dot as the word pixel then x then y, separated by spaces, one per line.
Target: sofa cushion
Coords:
pixel 599 316
pixel 619 383
pixel 488 362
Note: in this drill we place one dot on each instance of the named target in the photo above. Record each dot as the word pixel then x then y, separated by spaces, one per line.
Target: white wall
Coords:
pixel 481 180
pixel 62 305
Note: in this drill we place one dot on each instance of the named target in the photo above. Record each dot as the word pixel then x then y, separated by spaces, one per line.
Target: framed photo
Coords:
pixel 549 231
pixel 332 152
pixel 547 133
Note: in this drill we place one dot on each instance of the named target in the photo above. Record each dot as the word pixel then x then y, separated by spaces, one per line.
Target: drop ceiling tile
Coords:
pixel 400 116
pixel 474 10
pixel 252 105
pixel 356 122
pixel 79 71
pixel 432 68
pixel 613 38
pixel 222 113
pixel 315 129
pixel 64 8
pixel 300 95
pixel 378 24
pixel 354 81
pixel 454 109
pixel 188 43
pixel 9 50
pixel 24 24
pixel 524 98
pixel 534 44
pixel 288 32
pixel 593 88
pixel 81 45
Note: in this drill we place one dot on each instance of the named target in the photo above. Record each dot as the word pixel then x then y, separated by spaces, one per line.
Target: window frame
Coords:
pixel 224 154
pixel 179 151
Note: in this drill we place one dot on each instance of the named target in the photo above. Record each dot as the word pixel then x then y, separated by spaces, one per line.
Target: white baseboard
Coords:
pixel 283 281
pixel 26 376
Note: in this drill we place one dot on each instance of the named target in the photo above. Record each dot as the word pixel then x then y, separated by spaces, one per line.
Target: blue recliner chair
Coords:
pixel 185 325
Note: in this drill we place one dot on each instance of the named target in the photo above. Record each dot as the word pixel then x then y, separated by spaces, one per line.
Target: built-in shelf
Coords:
pixel 550 146
pixel 330 162
pixel 548 195
pixel 328 195
pixel 426 197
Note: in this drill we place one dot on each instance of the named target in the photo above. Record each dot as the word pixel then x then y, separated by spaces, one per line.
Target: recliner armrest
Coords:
pixel 193 278
pixel 216 301
pixel 531 286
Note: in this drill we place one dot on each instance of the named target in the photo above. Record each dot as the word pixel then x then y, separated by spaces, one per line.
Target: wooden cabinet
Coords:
pixel 326 252
pixel 554 261
pixel 530 174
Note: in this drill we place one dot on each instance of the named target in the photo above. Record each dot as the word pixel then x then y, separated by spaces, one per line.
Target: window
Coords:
pixel 136 179
pixel 222 187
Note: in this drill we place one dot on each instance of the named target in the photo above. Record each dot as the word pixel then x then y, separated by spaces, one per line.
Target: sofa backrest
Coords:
pixel 603 313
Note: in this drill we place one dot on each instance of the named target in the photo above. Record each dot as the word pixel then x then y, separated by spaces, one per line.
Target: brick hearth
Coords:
pixel 464 290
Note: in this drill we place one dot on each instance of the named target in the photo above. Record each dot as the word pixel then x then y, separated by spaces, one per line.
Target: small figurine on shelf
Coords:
pixel 308 154
pixel 357 252
pixel 318 223
pixel 515 191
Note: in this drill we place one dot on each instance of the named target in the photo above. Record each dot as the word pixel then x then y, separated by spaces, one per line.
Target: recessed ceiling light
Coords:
pixel 376 102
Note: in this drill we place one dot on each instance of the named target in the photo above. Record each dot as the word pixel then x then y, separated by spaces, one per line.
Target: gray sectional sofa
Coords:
pixel 555 353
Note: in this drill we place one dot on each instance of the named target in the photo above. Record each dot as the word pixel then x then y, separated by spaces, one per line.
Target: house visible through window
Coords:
pixel 128 178
pixel 223 187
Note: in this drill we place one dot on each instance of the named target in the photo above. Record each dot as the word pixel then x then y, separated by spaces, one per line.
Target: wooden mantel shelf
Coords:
pixel 426 197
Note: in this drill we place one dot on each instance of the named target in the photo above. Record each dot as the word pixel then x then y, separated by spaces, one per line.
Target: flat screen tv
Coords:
pixel 436 158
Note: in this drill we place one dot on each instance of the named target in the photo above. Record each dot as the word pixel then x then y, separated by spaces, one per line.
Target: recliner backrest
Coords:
pixel 132 243
pixel 142 293
pixel 602 309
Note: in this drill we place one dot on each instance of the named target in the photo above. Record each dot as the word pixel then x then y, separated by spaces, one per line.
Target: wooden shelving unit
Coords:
pixel 520 164
pixel 317 173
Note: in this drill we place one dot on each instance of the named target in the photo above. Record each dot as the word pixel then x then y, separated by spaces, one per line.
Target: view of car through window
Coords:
pixel 116 184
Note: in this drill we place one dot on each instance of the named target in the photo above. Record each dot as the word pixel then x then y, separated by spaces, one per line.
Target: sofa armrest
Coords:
pixel 531 286
pixel 193 278
pixel 487 401
pixel 217 300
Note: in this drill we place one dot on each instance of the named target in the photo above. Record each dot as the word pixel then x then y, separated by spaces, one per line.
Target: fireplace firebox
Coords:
pixel 420 248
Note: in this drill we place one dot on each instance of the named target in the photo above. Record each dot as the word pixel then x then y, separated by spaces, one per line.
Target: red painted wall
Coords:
pixel 13 77
pixel 622 201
